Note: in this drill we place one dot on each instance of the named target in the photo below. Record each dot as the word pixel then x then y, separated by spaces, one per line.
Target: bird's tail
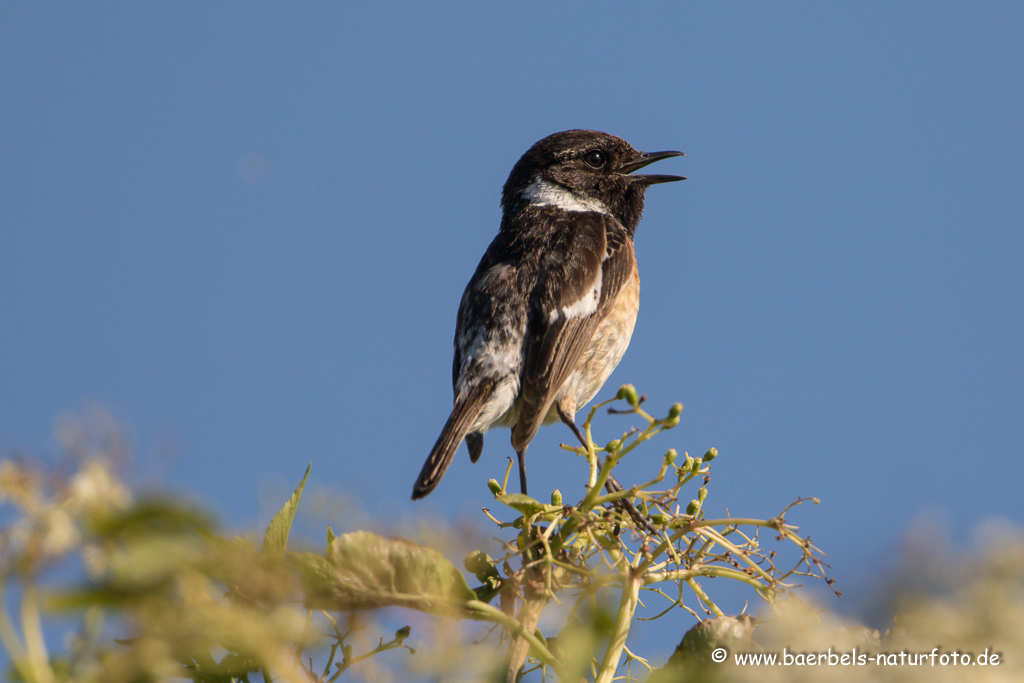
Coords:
pixel 463 415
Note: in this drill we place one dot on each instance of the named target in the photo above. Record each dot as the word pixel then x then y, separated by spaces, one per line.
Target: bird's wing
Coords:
pixel 492 316
pixel 587 265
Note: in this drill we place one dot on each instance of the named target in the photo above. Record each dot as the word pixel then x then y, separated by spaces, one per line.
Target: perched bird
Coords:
pixel 550 309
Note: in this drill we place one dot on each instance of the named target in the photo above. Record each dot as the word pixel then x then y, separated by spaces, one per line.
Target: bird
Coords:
pixel 550 309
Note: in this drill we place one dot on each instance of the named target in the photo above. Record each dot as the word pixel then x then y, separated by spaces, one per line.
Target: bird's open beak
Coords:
pixel 649 158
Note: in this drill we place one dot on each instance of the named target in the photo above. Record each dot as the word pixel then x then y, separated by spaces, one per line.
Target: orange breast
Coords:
pixel 606 350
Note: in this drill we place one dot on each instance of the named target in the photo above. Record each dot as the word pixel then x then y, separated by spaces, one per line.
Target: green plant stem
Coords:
pixel 721 540
pixel 704 598
pixel 687 574
pixel 11 642
pixel 617 495
pixel 381 647
pixel 597 485
pixel 486 612
pixel 738 521
pixel 631 582
pixel 35 645
pixel 529 615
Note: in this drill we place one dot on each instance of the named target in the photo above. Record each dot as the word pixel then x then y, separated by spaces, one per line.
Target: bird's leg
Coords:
pixel 611 484
pixel 522 470
pixel 567 419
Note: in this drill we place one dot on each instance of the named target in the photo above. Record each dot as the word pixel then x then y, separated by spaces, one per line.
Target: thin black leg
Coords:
pixel 522 470
pixel 572 425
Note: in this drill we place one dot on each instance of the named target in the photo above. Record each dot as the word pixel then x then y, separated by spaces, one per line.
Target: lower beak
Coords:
pixel 647 158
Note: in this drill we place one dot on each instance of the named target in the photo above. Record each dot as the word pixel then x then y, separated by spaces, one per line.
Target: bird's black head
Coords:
pixel 583 170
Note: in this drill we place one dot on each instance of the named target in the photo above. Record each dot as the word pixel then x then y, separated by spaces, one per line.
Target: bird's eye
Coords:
pixel 594 159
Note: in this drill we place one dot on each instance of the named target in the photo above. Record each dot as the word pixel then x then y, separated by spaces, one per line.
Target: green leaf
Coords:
pixel 362 570
pixel 276 540
pixel 149 516
pixel 522 502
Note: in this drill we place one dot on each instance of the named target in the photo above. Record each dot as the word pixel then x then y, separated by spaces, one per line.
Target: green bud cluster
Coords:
pixel 480 565
pixel 628 392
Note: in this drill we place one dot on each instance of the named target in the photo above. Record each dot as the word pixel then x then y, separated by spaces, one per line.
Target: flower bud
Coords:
pixel 628 392
pixel 702 493
pixel 556 497
pixel 693 508
pixel 494 486
pixel 710 455
pixel 479 564
pixel 670 456
pixel 613 445
pixel 402 633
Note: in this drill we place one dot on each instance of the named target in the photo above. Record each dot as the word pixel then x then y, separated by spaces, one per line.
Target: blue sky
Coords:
pixel 245 229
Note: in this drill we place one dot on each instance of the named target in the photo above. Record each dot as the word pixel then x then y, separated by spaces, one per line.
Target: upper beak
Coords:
pixel 649 158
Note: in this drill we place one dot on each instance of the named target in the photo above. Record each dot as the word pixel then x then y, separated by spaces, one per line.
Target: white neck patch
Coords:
pixel 544 193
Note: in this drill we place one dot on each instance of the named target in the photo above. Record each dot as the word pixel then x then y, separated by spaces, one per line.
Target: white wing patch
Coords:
pixel 583 307
pixel 544 193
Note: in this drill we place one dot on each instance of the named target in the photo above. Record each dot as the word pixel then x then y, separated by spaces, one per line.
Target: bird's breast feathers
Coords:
pixel 609 344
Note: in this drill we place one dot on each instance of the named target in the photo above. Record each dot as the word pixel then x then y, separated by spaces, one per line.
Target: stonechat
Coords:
pixel 550 310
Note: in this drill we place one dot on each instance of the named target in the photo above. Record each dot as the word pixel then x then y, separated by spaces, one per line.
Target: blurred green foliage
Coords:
pixel 158 593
